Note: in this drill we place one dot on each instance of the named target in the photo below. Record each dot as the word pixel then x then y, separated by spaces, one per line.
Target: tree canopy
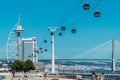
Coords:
pixel 19 65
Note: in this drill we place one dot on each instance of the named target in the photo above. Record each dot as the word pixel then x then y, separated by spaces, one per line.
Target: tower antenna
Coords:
pixel 19 18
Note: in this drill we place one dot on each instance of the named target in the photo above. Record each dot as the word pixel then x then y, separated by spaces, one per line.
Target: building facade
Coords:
pixel 29 47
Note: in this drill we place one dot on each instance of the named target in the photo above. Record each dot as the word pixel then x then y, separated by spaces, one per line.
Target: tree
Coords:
pixel 29 65
pixel 18 65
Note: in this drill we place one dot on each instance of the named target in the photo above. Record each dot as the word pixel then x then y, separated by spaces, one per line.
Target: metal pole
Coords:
pixel 52 30
pixel 53 57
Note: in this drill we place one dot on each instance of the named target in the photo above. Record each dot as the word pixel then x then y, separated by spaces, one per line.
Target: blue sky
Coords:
pixel 38 15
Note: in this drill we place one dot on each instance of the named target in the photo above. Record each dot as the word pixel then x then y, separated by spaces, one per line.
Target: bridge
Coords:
pixel 99 52
pixel 80 59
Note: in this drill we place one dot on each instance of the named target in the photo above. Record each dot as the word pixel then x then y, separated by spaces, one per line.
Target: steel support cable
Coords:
pixel 64 19
pixel 82 17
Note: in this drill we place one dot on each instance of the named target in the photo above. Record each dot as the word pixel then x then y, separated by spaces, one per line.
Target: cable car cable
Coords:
pixel 82 17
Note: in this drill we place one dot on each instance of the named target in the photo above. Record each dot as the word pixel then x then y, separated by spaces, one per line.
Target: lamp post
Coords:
pixel 52 30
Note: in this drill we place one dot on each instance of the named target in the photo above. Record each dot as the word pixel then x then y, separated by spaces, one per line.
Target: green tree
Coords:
pixel 29 65
pixel 22 65
pixel 17 65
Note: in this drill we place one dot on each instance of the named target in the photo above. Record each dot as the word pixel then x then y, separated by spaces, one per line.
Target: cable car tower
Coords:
pixel 52 30
pixel 18 30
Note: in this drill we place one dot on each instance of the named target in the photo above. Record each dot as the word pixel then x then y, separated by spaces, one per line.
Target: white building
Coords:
pixel 29 49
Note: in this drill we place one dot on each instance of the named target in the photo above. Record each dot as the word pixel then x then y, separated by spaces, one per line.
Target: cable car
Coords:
pixel 60 34
pixel 45 41
pixel 29 56
pixel 40 48
pixel 45 50
pixel 41 51
pixel 51 42
pixel 97 13
pixel 73 30
pixel 63 28
pixel 37 51
pixel 86 6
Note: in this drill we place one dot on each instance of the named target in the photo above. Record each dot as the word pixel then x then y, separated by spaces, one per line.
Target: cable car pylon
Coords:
pixel 52 30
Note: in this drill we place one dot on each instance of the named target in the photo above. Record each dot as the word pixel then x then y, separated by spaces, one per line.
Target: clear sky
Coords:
pixel 38 15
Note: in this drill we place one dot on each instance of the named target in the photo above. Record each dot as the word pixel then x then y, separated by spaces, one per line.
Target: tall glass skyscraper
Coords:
pixel 29 47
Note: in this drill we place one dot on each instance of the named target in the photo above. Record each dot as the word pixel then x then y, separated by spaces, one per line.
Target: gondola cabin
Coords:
pixel 40 48
pixel 63 28
pixel 73 30
pixel 60 34
pixel 86 6
pixel 97 13
pixel 51 42
pixel 45 50
pixel 45 41
pixel 41 51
